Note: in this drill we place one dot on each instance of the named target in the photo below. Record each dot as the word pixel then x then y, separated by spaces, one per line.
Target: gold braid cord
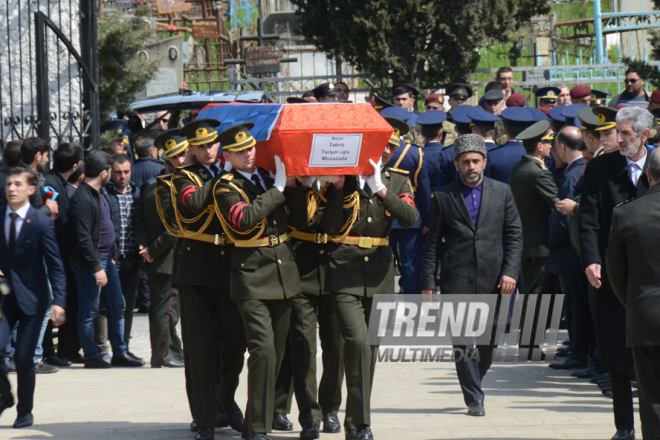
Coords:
pixel 313 205
pixel 181 221
pixel 229 229
pixel 351 201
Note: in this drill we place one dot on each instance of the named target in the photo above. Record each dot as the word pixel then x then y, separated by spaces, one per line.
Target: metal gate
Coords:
pixel 48 71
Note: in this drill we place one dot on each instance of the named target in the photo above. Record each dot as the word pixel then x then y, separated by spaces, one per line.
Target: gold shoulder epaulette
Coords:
pixel 164 176
pixel 399 170
pixel 227 177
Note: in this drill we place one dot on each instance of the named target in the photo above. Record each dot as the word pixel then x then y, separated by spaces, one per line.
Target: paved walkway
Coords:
pixel 410 401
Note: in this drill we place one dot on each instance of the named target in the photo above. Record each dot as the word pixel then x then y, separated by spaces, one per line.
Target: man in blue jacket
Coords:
pixel 564 262
pixel 27 239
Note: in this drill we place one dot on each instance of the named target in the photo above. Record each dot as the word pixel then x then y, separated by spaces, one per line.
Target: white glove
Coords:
pixel 228 166
pixel 306 181
pixel 374 181
pixel 330 179
pixel 280 174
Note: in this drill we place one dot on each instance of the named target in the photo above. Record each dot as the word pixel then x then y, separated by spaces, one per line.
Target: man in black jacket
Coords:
pixel 633 259
pixel 610 180
pixel 66 158
pixel 474 215
pixel 92 254
pixel 34 157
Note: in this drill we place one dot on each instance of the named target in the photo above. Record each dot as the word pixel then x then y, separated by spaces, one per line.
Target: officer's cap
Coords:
pixel 548 93
pixel 570 112
pixel 588 119
pixel 535 132
pixel 555 114
pixel 237 137
pixel 459 90
pixel 381 103
pixel 537 115
pixel 201 131
pixel 606 117
pixel 325 89
pixel 399 89
pixel 400 129
pixel 432 117
pixel 517 116
pixel 396 112
pixel 171 142
pixel 482 118
pixel 460 117
pixel 597 96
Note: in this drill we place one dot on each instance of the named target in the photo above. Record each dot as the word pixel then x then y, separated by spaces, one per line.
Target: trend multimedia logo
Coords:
pixel 521 329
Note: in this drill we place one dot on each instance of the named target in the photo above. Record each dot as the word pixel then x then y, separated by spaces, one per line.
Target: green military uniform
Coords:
pixel 500 136
pixel 414 136
pixel 264 275
pixel 164 306
pixel 310 244
pixel 360 265
pixel 449 128
pixel 213 325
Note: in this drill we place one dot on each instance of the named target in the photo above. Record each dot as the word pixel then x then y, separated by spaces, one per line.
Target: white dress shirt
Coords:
pixel 22 213
pixel 635 168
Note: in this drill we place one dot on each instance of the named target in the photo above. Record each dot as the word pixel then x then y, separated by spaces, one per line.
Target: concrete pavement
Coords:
pixel 410 401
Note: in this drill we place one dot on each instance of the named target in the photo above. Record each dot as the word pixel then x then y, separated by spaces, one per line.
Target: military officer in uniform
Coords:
pixel 408 243
pixel 606 128
pixel 325 92
pixel 254 213
pixel 598 98
pixel 431 123
pixel 359 215
pixel 313 306
pixel 211 316
pixel 404 96
pixel 462 125
pixel 483 124
pixel 458 95
pixel 547 96
pixel 503 157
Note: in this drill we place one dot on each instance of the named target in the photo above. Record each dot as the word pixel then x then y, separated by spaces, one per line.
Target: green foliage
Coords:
pixel 122 75
pixel 427 43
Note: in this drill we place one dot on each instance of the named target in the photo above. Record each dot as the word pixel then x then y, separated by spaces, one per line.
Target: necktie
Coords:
pixel 214 170
pixel 633 173
pixel 257 182
pixel 12 232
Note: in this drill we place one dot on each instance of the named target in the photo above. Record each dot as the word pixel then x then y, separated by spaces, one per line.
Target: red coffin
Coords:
pixel 325 139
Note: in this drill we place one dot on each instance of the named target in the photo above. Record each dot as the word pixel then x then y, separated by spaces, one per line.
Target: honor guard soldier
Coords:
pixel 462 125
pixel 404 96
pixel 606 128
pixel 264 276
pixel 458 95
pixel 325 92
pixel 313 306
pixel 502 158
pixel 381 103
pixel 408 243
pixel 431 123
pixel 359 266
pixel 598 98
pixel 212 318
pixel 588 125
pixel 547 96
pixel 483 124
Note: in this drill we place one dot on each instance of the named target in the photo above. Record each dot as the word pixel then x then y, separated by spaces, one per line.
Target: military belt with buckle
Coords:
pixel 363 242
pixel 270 241
pixel 216 239
pixel 317 237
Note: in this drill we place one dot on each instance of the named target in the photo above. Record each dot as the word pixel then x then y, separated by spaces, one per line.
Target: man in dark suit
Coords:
pixel 610 180
pixel 66 159
pixel 468 208
pixel 27 239
pixel 634 248
pixel 564 262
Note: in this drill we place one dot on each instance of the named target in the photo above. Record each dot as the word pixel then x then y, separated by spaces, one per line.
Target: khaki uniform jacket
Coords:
pixel 263 273
pixel 199 263
pixel 365 270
